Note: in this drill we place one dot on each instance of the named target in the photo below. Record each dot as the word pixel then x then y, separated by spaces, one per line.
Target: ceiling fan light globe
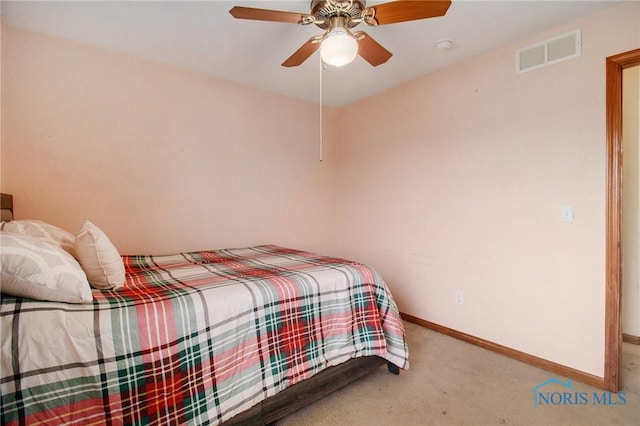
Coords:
pixel 339 48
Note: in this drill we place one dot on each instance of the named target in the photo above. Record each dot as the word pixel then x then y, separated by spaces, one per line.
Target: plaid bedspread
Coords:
pixel 192 338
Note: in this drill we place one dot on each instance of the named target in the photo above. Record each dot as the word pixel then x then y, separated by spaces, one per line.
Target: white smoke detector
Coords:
pixel 444 44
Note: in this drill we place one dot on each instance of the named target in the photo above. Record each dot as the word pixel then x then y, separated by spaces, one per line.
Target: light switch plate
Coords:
pixel 566 214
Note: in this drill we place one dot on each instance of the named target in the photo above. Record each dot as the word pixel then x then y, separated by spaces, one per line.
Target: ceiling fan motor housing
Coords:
pixel 324 10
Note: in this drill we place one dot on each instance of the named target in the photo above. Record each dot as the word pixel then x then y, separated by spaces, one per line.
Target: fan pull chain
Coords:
pixel 321 123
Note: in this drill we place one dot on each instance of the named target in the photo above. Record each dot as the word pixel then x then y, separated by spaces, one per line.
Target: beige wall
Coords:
pixel 457 182
pixel 1 114
pixel 454 182
pixel 162 159
pixel 631 202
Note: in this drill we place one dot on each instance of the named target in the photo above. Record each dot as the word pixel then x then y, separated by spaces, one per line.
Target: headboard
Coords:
pixel 6 207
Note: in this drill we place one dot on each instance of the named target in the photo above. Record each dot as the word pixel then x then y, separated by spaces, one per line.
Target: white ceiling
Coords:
pixel 203 36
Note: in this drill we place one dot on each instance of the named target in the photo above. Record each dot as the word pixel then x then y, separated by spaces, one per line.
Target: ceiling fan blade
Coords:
pixel 301 55
pixel 240 12
pixel 370 50
pixel 402 11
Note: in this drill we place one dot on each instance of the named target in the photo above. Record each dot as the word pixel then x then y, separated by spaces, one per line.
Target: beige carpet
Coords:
pixel 454 383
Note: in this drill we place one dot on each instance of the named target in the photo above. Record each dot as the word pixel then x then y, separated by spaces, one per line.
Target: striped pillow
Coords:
pixel 33 268
pixel 41 230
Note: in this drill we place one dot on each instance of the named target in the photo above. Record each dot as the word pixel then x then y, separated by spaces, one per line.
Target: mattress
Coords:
pixel 192 338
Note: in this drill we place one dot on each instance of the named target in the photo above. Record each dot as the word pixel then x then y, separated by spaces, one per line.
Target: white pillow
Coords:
pixel 41 230
pixel 33 268
pixel 99 258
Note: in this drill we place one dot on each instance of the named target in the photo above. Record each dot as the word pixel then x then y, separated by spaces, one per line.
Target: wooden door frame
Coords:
pixel 613 325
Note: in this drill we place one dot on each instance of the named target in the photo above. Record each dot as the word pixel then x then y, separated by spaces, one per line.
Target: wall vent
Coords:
pixel 549 52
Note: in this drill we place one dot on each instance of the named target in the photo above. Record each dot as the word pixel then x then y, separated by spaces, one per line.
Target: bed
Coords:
pixel 233 336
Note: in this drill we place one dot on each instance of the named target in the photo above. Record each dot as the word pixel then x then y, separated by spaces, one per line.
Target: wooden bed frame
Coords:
pixel 6 204
pixel 299 395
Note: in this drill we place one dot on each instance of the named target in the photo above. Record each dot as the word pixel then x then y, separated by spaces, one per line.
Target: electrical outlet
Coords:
pixel 459 297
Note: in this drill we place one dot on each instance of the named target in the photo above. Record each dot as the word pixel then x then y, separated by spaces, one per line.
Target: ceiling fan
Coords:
pixel 338 45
